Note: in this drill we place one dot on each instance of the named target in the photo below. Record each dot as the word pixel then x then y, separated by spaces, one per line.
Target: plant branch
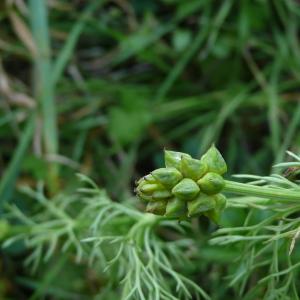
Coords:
pixel 261 191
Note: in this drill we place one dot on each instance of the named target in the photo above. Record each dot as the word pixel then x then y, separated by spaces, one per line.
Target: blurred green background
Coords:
pixel 101 87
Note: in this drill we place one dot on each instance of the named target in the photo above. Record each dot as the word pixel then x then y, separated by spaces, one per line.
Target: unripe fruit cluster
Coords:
pixel 186 187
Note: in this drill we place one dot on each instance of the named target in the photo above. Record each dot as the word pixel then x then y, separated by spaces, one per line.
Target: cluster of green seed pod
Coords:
pixel 186 187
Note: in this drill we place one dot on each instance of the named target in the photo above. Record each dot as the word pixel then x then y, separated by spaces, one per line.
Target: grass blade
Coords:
pixel 8 181
pixel 68 48
pixel 43 87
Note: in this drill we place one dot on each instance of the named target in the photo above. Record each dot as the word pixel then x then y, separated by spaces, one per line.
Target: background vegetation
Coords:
pixel 101 87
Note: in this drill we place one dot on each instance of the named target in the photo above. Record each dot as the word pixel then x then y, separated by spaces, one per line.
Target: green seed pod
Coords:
pixel 149 188
pixel 157 207
pixel 201 204
pixel 186 189
pixel 176 208
pixel 173 159
pixel 152 191
pixel 214 161
pixel 140 184
pixel 168 177
pixel 192 168
pixel 161 194
pixel 144 197
pixel 215 214
pixel 211 183
pixel 149 178
pixel 146 179
pixel 155 196
pixel 140 181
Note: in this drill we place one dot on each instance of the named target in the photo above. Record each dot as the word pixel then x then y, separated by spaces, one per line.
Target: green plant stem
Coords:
pixel 261 191
pixel 9 178
pixel 43 87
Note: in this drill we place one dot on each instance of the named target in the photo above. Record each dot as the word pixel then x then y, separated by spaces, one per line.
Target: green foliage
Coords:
pixel 122 244
pixel 128 122
pixel 101 87
pixel 114 240
pixel 266 240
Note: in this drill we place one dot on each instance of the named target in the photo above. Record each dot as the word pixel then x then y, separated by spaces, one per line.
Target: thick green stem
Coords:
pixel 262 192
